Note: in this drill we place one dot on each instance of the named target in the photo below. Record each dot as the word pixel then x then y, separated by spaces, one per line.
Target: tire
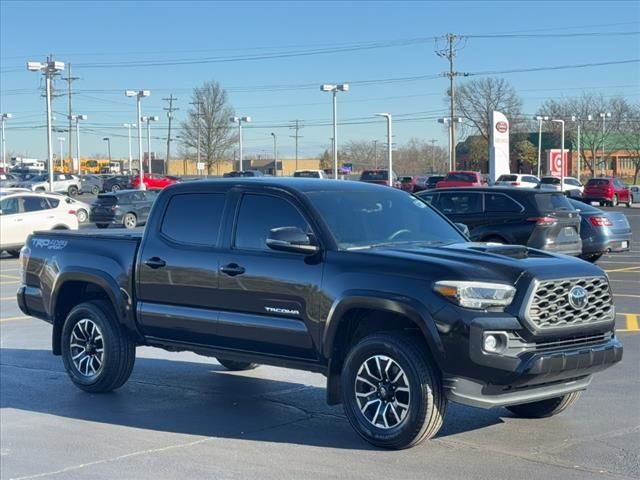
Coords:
pixel 545 408
pixel 13 253
pixel 130 221
pixel 629 204
pixel 407 360
pixel 95 190
pixel 115 188
pixel 591 258
pixel 495 239
pixel 72 191
pixel 102 225
pixel 234 366
pixel 614 201
pixel 111 355
pixel 82 215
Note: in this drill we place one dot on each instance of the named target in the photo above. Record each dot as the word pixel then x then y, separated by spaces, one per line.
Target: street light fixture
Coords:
pixel 108 140
pixel 449 121
pixel 139 94
pixel 48 69
pixel 604 116
pixel 3 117
pixel 579 120
pixel 540 119
pixel 561 122
pixel 275 154
pixel 128 126
pixel 77 119
pixel 389 145
pixel 334 89
pixel 239 121
pixel 150 119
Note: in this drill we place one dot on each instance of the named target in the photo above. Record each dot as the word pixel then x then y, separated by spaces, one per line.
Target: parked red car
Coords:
pixel 381 177
pixel 462 179
pixel 154 181
pixel 607 191
pixel 408 184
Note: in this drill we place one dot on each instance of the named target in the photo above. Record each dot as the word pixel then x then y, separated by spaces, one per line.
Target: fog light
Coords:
pixel 494 342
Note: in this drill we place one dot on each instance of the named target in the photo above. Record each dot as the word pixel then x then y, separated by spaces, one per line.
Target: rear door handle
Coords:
pixel 232 269
pixel 155 262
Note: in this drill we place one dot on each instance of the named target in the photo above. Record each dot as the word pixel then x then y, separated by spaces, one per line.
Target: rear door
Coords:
pixel 462 206
pixel 505 218
pixel 621 190
pixel 269 297
pixel 177 274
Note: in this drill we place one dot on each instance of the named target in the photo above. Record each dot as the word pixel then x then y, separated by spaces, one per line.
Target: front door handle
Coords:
pixel 232 269
pixel 155 262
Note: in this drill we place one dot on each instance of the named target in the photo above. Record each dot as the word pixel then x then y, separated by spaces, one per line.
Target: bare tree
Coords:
pixel 476 99
pixel 630 137
pixel 210 114
pixel 592 137
pixel 360 153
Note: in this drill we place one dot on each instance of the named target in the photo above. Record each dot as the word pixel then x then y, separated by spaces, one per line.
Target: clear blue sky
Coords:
pixel 85 33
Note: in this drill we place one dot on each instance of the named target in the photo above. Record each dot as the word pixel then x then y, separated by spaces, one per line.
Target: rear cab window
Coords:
pixel 598 182
pixel 461 177
pixel 507 178
pixel 374 175
pixel 193 218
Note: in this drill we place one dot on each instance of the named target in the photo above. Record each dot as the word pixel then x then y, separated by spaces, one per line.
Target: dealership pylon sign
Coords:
pixel 498 146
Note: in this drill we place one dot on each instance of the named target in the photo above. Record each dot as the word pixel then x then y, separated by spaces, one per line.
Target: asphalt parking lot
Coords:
pixel 182 415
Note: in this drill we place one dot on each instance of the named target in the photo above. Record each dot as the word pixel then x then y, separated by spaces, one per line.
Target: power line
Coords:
pixel 555 67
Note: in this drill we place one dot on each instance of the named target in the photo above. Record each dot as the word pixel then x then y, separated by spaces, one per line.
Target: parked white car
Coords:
pixel 82 208
pixel 635 193
pixel 571 185
pixel 22 213
pixel 69 184
pixel 517 180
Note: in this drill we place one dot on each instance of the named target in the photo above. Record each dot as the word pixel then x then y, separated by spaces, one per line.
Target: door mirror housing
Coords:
pixel 463 228
pixel 291 239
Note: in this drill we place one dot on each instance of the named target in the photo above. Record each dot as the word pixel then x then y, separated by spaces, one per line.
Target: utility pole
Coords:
pixel 450 53
pixel 169 111
pixel 69 79
pixel 433 155
pixel 197 105
pixel 375 154
pixel 296 127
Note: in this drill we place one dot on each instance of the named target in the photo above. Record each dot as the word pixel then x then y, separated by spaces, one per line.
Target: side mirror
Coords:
pixel 463 228
pixel 291 239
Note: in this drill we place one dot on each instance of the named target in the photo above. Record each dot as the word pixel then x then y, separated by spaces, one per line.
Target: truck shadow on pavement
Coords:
pixel 199 399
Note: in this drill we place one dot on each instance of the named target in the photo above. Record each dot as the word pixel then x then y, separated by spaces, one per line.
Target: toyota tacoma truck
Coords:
pixel 367 285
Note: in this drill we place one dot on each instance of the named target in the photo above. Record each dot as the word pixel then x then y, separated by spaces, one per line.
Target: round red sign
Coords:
pixel 502 127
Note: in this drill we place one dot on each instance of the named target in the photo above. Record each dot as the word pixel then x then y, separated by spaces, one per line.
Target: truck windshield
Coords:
pixel 365 219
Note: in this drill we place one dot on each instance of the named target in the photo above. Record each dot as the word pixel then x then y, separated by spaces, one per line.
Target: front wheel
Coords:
pixel 545 408
pixel 391 391
pixel 96 353
pixel 72 191
pixel 95 190
pixel 82 215
pixel 235 366
pixel 614 201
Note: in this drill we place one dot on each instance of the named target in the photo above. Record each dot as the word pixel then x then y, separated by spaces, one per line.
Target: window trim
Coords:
pixel 236 217
pixel 180 244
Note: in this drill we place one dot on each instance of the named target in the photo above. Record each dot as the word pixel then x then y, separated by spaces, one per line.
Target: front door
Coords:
pixel 270 297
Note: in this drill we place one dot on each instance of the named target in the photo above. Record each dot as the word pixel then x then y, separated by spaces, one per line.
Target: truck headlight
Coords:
pixel 477 295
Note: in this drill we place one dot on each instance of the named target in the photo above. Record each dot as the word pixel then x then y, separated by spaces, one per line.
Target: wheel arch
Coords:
pixel 355 316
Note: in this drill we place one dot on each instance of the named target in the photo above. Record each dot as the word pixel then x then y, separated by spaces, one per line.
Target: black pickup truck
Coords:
pixel 365 284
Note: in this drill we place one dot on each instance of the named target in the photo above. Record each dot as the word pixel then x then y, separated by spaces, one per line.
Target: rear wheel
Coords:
pixel 545 408
pixel 96 353
pixel 72 191
pixel 235 366
pixel 391 391
pixel 130 220
pixel 95 190
pixel 591 258
pixel 82 215
pixel 102 225
pixel 115 188
pixel 614 201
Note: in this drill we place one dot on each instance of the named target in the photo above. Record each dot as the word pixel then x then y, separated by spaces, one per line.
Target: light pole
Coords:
pixel 139 94
pixel 577 120
pixel 561 122
pixel 344 87
pixel 540 120
pixel 3 117
pixel 239 121
pixel 604 116
pixel 150 119
pixel 61 140
pixel 449 121
pixel 128 127
pixel 49 69
pixel 389 145
pixel 275 154
pixel 77 119
pixel 108 140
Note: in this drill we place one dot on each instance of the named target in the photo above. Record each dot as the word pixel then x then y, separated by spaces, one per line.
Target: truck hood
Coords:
pixel 487 262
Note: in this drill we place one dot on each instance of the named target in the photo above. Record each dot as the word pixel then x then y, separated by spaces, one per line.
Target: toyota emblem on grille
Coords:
pixel 578 297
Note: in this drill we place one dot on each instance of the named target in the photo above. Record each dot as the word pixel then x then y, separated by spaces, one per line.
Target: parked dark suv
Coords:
pixel 126 207
pixel 537 219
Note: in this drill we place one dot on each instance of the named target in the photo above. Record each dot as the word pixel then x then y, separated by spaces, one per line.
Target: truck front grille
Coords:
pixel 549 305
